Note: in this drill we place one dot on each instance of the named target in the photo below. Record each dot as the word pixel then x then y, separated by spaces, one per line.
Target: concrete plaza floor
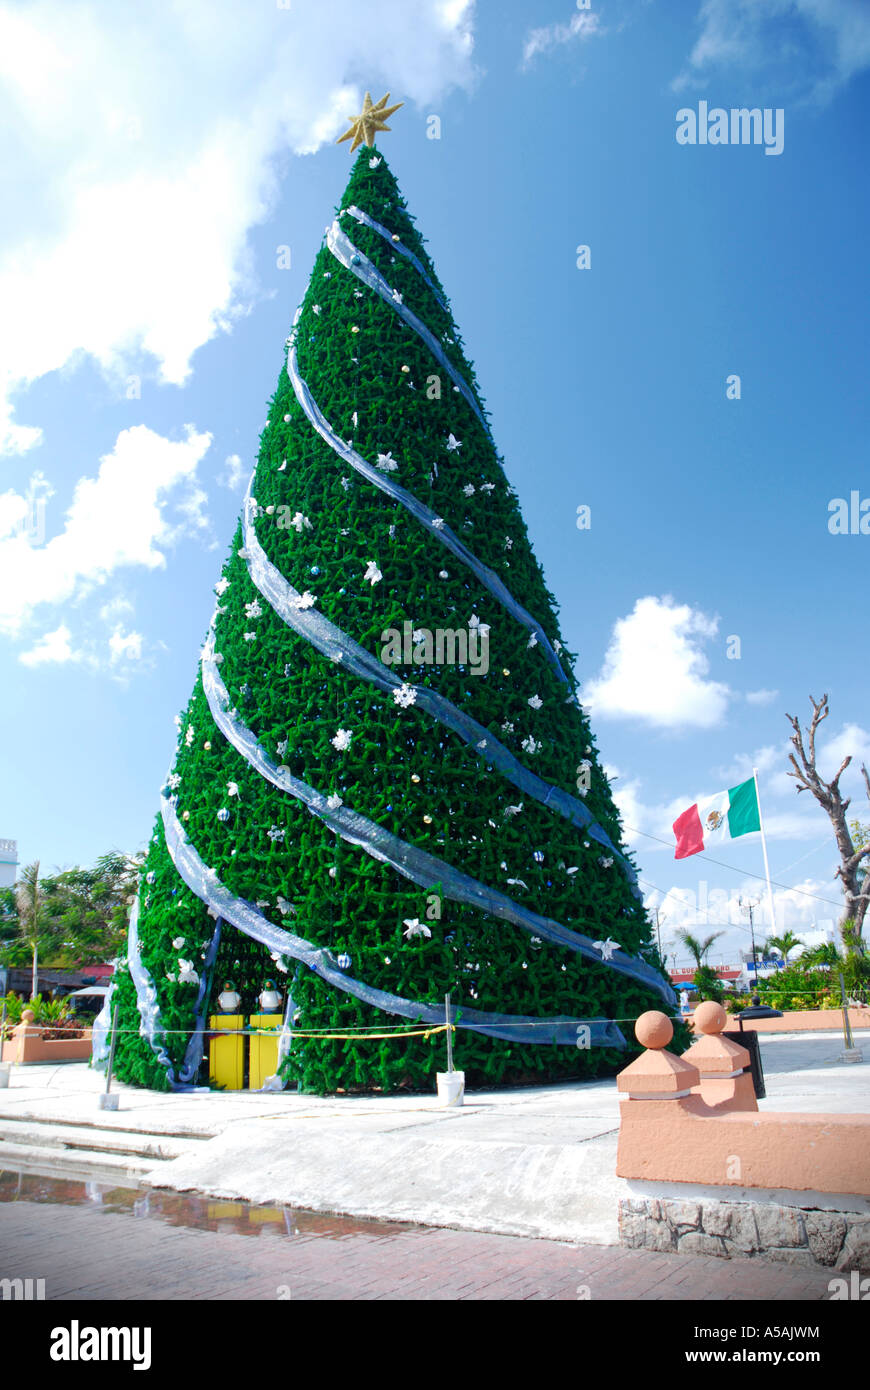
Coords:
pixel 533 1162
pixel 98 1251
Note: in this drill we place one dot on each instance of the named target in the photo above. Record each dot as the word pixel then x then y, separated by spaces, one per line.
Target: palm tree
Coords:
pixel 37 917
pixel 697 949
pixel 784 944
pixel 826 954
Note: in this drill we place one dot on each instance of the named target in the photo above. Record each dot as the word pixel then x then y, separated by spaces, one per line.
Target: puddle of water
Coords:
pixel 192 1209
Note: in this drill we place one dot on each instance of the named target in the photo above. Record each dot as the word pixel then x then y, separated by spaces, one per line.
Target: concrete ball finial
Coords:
pixel 27 1016
pixel 710 1017
pixel 654 1030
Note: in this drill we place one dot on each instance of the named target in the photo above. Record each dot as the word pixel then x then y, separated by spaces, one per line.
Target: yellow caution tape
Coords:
pixel 339 1037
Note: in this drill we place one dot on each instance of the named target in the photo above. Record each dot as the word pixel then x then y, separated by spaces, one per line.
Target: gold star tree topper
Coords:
pixel 371 119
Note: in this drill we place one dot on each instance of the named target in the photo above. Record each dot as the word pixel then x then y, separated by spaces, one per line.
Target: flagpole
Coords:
pixel 764 852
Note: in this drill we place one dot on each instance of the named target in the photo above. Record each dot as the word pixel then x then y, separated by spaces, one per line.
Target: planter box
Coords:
pixel 28 1046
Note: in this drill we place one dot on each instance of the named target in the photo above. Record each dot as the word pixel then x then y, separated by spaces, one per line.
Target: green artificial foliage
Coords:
pixel 323 526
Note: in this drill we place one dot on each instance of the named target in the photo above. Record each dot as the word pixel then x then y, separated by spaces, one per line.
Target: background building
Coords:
pixel 8 862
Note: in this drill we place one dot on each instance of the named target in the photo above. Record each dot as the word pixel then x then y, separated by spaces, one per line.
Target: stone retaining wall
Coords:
pixel 837 1240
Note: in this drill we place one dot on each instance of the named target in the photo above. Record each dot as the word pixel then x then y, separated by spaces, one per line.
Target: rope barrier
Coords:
pixel 424 1033
pixel 380 1035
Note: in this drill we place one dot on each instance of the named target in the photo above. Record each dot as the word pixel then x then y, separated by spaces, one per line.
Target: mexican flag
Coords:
pixel 721 817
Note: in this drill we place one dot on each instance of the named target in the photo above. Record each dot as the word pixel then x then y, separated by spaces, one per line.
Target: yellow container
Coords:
pixel 226 1054
pixel 263 1056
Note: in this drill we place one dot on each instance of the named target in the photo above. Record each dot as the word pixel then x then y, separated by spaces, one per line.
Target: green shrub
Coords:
pixel 796 987
pixel 45 1011
pixel 707 985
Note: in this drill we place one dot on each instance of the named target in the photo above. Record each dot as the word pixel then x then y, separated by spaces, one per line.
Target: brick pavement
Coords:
pixel 92 1253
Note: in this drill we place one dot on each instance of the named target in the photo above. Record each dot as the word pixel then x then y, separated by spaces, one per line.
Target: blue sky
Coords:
pixel 154 164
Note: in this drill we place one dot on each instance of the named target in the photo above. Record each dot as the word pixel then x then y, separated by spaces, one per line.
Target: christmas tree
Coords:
pixel 384 787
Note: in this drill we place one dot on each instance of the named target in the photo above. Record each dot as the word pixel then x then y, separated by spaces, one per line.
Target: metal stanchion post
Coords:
pixel 850 1052
pixel 4 1066
pixel 451 1084
pixel 108 1100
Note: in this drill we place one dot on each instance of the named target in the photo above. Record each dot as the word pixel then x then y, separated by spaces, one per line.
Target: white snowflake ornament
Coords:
pixel 405 696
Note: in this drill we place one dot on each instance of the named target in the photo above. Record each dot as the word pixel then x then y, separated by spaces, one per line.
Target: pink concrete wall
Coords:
pixel 804 1020
pixel 687 1140
pixel 680 1121
pixel 30 1046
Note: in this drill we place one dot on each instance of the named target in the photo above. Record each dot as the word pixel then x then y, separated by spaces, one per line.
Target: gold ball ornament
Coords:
pixel 505 671
pixel 207 745
pixel 427 820
pixel 186 815
pixel 415 777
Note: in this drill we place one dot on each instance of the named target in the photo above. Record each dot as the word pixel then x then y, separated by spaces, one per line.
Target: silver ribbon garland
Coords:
pixel 193 1054
pixel 418 509
pixel 359 265
pixel 340 648
pixel 101 1032
pixel 399 246
pixel 205 883
pixel 150 1026
pixel 412 863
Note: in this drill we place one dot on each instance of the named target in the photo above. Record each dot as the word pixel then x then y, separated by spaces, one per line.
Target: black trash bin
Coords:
pixel 748 1038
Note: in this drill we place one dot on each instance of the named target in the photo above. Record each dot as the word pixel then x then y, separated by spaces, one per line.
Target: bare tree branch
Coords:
pixel 827 794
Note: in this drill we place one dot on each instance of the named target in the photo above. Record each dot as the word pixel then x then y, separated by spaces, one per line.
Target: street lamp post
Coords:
pixel 750 907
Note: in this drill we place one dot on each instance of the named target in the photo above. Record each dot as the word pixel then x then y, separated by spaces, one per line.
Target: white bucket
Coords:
pixel 451 1087
pixel 107 1101
pixel 4 1074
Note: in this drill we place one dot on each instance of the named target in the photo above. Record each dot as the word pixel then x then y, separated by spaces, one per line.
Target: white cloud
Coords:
pixel 761 697
pixel 53 646
pixel 115 607
pixel 23 514
pixel 809 909
pixel 584 25
pixel 654 669
pixel 116 520
pixel 798 824
pixel 125 646
pixel 233 474
pixel 763 759
pixel 851 739
pixel 812 47
pixel 647 825
pixel 140 144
